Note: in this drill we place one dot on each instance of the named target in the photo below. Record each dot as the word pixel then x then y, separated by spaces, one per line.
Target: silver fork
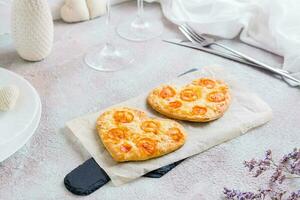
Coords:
pixel 205 41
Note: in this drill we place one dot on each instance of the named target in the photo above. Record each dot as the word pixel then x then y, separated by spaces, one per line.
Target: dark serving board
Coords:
pixel 89 176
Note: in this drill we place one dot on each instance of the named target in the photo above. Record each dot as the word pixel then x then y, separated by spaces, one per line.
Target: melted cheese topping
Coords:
pixel 204 99
pixel 128 134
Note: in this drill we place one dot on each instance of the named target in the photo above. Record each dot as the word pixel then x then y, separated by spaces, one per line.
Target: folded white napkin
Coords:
pixel 246 111
pixel 272 25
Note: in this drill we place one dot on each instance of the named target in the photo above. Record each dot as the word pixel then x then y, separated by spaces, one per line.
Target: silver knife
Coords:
pixel 232 57
pixel 212 51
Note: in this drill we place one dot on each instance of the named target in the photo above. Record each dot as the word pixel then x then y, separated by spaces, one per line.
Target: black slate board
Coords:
pixel 86 178
pixel 89 177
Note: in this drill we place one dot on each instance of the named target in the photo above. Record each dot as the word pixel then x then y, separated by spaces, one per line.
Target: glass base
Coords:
pixel 140 29
pixel 108 58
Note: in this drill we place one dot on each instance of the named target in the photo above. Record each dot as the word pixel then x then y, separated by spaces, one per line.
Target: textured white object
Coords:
pixel 8 97
pixel 82 10
pixel 32 29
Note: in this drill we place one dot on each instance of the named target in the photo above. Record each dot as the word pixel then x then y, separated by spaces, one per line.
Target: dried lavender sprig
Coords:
pixel 277 176
pixel 288 167
pixel 259 166
pixel 290 164
pixel 238 195
pixel 294 196
pixel 291 161
pixel 260 195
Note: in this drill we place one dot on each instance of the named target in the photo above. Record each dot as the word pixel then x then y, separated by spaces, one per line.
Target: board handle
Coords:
pixel 88 177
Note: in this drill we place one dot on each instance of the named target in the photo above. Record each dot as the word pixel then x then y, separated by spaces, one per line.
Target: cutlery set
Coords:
pixel 203 43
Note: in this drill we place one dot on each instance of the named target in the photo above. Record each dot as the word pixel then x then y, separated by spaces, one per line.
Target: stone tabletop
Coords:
pixel 69 89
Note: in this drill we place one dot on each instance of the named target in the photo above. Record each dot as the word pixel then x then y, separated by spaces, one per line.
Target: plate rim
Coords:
pixel 35 124
pixel 37 97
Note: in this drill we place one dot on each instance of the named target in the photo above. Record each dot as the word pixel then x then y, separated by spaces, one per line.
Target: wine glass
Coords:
pixel 140 29
pixel 107 57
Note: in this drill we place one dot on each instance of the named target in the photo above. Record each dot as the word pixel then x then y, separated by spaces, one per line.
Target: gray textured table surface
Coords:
pixel 69 89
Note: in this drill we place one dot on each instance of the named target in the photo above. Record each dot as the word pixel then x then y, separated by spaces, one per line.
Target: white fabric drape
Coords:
pixel 273 25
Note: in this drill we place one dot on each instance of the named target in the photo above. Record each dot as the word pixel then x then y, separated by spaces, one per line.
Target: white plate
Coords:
pixel 14 145
pixel 16 121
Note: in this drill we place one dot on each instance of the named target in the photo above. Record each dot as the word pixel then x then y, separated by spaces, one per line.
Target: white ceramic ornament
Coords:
pixel 8 97
pixel 96 8
pixel 74 11
pixel 82 10
pixel 32 29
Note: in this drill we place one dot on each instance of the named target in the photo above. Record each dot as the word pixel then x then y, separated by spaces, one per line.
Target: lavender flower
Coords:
pixel 260 165
pixel 230 194
pixel 250 164
pixel 288 167
pixel 276 195
pixel 291 162
pixel 238 195
pixel 295 167
pixel 294 196
pixel 284 159
pixel 277 176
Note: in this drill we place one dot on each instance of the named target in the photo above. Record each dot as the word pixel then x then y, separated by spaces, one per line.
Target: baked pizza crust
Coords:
pixel 203 100
pixel 130 135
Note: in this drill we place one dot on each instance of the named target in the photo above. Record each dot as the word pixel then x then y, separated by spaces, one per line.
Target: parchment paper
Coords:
pixel 246 111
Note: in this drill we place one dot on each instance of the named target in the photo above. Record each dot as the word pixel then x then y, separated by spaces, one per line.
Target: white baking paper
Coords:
pixel 246 111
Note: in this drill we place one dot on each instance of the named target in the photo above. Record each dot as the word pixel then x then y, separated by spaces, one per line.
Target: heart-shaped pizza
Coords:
pixel 202 100
pixel 130 135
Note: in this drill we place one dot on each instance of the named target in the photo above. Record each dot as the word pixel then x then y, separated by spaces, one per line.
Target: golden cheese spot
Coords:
pixel 150 126
pixel 117 133
pixel 167 92
pixel 223 88
pixel 175 104
pixel 123 116
pixel 189 94
pixel 199 110
pixel 175 134
pixel 216 96
pixel 125 147
pixel 147 145
pixel 205 82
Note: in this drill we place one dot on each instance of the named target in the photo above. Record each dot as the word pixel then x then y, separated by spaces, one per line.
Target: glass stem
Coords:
pixel 108 43
pixel 140 8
